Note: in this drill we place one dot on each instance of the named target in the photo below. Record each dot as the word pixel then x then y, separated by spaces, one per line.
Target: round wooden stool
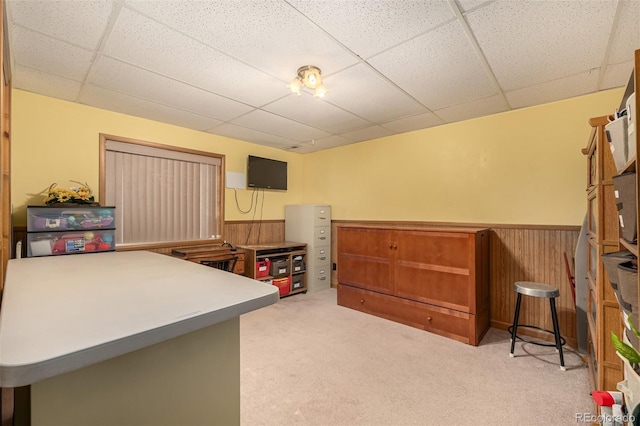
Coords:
pixel 532 289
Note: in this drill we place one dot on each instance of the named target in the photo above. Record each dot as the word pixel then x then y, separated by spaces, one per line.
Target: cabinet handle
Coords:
pixel 322 278
pixel 322 238
pixel 429 318
pixel 322 258
pixel 361 300
pixel 322 218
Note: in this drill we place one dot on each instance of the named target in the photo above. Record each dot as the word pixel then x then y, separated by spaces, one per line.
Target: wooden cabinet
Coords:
pixel 260 261
pixel 436 279
pixel 603 314
pixel 196 254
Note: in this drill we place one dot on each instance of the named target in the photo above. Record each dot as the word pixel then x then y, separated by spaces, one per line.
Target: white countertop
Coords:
pixel 61 313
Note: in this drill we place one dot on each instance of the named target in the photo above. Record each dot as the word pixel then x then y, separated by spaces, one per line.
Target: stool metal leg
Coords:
pixel 556 331
pixel 514 327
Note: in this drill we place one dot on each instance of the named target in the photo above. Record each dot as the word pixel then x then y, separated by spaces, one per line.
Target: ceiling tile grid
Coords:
pixel 367 94
pixel 47 84
pixel 35 50
pixel 78 22
pixel 121 77
pixel 531 42
pixel 391 66
pixel 379 25
pixel 126 104
pixel 439 68
pixel 316 113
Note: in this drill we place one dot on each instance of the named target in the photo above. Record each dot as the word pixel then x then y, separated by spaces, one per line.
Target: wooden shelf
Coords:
pixel 603 237
pixel 285 250
pixel 633 248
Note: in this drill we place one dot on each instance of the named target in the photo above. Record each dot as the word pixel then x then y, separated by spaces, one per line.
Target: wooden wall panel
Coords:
pixel 5 150
pixel 246 233
pixel 237 233
pixel 518 253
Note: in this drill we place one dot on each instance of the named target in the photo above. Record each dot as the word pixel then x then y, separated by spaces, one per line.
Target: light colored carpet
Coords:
pixel 305 360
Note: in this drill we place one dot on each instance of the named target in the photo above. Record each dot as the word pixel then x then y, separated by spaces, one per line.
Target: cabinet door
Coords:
pixel 436 267
pixel 364 258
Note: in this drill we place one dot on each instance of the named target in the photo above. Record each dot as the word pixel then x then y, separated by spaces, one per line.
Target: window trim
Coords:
pixel 220 190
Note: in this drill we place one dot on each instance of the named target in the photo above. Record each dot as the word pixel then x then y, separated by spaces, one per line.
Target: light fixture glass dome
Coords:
pixel 311 77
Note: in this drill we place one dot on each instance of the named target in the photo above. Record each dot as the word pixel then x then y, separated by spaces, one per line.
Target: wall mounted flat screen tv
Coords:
pixel 266 173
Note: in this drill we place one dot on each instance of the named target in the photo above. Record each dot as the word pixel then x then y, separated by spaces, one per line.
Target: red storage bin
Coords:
pixel 283 285
pixel 262 268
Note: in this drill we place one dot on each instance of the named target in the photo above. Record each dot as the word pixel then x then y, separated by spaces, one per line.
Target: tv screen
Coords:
pixel 266 173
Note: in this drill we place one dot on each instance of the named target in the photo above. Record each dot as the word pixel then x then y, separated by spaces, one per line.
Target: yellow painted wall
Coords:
pixel 57 141
pixel 520 167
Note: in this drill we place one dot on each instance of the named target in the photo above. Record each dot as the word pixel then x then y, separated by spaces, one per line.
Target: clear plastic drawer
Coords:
pixel 46 218
pixel 57 243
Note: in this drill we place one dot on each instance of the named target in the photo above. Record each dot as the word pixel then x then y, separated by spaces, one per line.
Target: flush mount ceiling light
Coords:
pixel 311 77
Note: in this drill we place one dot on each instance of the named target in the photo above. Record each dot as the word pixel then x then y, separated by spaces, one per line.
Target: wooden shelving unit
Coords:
pixel 292 252
pixel 603 312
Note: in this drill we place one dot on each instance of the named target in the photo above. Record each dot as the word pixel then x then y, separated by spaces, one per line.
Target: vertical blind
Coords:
pixel 161 195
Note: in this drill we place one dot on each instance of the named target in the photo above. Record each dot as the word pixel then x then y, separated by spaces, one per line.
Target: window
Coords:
pixel 163 195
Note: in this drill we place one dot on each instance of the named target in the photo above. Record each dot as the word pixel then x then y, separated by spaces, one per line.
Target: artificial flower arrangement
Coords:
pixel 81 194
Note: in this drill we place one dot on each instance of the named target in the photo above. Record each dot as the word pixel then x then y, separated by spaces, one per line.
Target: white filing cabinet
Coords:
pixel 311 224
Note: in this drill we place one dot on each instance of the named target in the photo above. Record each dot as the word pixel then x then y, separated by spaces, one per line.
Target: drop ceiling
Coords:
pixel 391 66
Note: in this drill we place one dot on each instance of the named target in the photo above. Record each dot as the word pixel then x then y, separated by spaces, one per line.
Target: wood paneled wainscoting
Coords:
pixel 235 232
pixel 517 253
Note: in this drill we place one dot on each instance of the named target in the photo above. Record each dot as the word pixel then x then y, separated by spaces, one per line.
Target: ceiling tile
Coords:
pixel 140 41
pixel 245 134
pixel 45 84
pixel 415 122
pixel 439 69
pixel 125 78
pixel 388 64
pixel 366 94
pixel 271 36
pixel 554 90
pixel 523 55
pixel 371 132
pixel 368 27
pixel 473 109
pixel 279 126
pixel 125 104
pixel 33 50
pixel 325 143
pixel 82 23
pixel 316 112
pixel 467 5
pixel 617 75
pixel 626 36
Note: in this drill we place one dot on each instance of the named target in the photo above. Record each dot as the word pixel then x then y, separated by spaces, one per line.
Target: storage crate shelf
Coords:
pixel 276 261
